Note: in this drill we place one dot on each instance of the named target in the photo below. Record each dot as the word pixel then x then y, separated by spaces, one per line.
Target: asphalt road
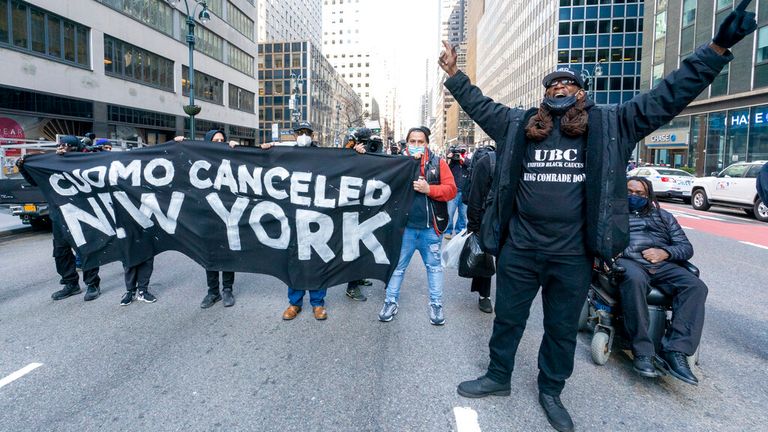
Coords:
pixel 172 366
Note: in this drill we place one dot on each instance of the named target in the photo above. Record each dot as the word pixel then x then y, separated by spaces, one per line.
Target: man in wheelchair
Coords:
pixel 657 244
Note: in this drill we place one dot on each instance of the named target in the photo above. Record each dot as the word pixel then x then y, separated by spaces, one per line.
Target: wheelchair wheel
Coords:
pixel 583 325
pixel 599 348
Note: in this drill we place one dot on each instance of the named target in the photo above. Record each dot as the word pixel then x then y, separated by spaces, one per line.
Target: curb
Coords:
pixel 18 230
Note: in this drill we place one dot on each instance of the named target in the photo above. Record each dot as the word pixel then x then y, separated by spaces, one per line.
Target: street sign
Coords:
pixel 275 132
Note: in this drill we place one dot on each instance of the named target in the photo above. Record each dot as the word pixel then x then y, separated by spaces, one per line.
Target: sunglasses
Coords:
pixel 563 81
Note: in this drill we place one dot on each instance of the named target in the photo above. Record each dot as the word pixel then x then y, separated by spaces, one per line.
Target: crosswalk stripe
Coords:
pixel 466 419
pixel 754 244
pixel 19 373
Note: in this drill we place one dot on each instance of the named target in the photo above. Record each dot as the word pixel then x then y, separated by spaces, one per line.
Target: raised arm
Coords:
pixel 489 115
pixel 648 111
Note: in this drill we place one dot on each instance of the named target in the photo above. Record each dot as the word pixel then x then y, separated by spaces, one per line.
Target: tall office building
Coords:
pixel 518 43
pixel 119 68
pixel 297 83
pixel 290 20
pixel 728 122
pixel 453 31
pixel 347 42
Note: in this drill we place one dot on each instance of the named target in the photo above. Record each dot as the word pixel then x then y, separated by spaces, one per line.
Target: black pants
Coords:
pixel 65 264
pixel 565 281
pixel 227 281
pixel 137 277
pixel 689 294
pixel 482 286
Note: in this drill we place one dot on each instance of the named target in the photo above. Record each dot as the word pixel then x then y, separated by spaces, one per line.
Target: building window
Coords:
pixel 241 99
pixel 687 32
pixel 129 62
pixel 154 13
pixel 761 58
pixel 24 27
pixel 239 60
pixel 120 114
pixel 719 86
pixel 689 12
pixel 239 21
pixel 207 88
pixel 206 41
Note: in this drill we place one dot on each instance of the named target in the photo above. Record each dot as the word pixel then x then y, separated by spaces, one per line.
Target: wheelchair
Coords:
pixel 602 314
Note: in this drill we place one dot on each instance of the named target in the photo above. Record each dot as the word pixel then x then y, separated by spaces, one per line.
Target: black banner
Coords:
pixel 312 217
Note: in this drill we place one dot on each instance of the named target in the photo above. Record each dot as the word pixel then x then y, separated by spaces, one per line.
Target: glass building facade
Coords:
pixel 603 39
pixel 297 83
pixel 728 122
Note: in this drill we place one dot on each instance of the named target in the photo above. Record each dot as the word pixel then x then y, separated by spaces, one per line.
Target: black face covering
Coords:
pixel 559 105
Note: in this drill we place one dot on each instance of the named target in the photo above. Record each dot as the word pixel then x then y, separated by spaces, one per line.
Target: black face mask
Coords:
pixel 559 105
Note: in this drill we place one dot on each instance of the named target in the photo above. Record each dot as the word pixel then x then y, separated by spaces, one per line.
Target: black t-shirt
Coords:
pixel 550 196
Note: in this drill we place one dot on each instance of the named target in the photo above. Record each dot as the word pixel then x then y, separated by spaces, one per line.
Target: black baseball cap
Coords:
pixel 305 125
pixel 564 72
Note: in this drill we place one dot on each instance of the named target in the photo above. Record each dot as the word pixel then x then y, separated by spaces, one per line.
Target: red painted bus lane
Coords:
pixel 750 233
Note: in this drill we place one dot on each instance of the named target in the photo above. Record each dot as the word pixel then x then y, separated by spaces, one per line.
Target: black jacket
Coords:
pixel 613 132
pixel 762 184
pixel 482 178
pixel 656 229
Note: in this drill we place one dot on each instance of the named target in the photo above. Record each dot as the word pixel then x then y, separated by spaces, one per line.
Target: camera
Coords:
pixel 456 152
pixel 364 136
pixel 396 148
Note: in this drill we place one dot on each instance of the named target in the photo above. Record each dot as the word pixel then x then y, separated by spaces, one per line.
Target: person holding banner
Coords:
pixel 137 283
pixel 66 265
pixel 560 199
pixel 304 134
pixel 427 219
pixel 212 276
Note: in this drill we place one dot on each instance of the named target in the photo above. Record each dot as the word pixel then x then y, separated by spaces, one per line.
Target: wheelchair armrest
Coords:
pixel 690 267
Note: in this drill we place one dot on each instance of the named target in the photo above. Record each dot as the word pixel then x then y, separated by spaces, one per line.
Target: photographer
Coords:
pixel 362 141
pixel 456 161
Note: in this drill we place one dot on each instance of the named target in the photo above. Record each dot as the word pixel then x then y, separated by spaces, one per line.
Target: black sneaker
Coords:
pixel 355 293
pixel 127 298
pixel 146 296
pixel 210 300
pixel 92 293
pixel 228 297
pixel 557 415
pixel 484 304
pixel 65 292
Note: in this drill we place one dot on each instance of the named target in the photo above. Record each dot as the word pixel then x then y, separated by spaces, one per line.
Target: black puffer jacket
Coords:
pixel 613 131
pixel 656 229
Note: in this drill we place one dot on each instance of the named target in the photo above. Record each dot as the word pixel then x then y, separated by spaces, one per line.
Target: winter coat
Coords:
pixel 481 180
pixel 762 184
pixel 431 210
pixel 613 131
pixel 656 229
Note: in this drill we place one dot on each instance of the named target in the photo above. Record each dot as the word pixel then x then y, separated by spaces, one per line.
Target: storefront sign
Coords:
pixel 743 119
pixel 11 132
pixel 668 139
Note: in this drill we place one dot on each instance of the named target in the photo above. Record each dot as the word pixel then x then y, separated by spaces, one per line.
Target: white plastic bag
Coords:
pixel 452 251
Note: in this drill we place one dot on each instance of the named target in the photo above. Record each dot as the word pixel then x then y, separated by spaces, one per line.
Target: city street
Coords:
pixel 76 366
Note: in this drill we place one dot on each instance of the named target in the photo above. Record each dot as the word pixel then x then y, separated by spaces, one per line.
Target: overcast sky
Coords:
pixel 409 36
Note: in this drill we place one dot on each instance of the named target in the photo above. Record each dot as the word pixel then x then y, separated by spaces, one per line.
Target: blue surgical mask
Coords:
pixel 414 150
pixel 637 203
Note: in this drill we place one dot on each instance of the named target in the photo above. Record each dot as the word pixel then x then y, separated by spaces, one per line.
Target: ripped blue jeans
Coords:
pixel 427 242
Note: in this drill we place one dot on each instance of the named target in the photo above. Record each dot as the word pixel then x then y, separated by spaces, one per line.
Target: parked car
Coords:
pixel 731 187
pixel 667 182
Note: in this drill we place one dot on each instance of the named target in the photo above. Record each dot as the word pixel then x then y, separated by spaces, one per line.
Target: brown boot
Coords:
pixel 291 312
pixel 320 313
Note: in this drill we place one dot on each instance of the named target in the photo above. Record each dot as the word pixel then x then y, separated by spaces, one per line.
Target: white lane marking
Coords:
pixel 19 373
pixel 687 227
pixel 466 419
pixel 697 216
pixel 754 244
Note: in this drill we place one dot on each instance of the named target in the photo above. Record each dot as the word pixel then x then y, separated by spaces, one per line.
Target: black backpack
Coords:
pixel 479 154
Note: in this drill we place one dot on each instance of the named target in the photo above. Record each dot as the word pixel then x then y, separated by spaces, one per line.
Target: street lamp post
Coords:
pixel 192 110
pixel 338 124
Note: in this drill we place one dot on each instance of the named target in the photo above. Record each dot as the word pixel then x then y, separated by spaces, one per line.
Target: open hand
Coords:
pixel 448 59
